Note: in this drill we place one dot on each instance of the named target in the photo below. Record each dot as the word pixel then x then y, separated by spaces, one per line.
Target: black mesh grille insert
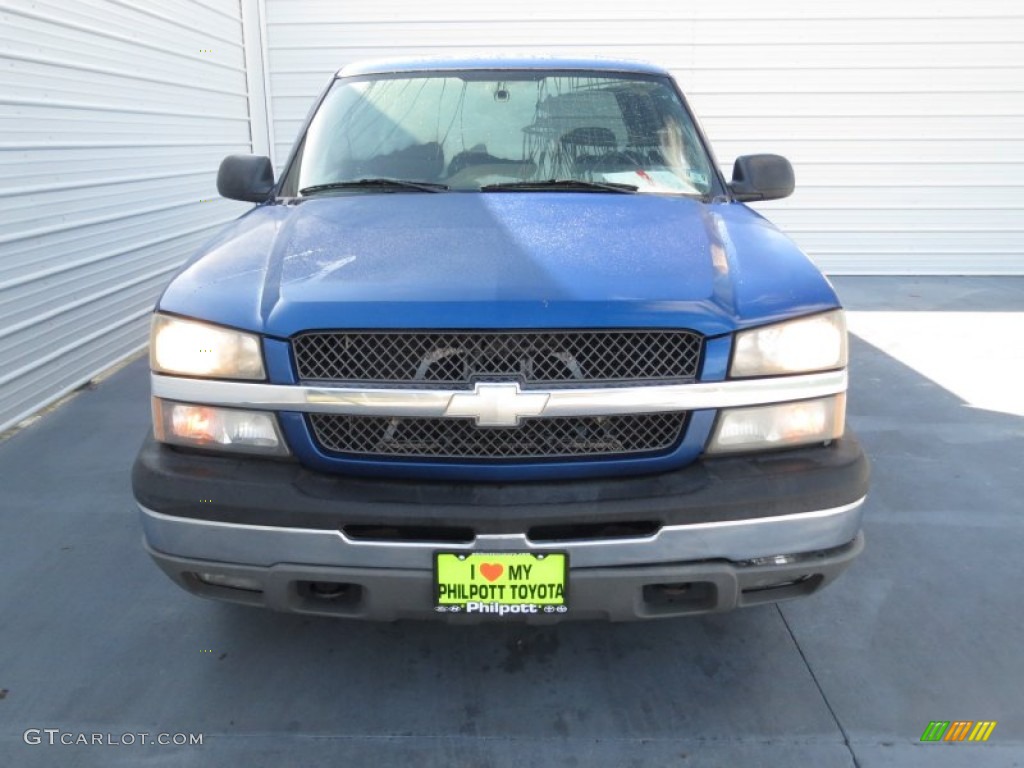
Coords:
pixel 455 359
pixel 462 439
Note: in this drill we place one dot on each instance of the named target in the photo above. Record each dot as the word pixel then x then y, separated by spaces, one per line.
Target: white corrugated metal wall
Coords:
pixel 904 120
pixel 114 116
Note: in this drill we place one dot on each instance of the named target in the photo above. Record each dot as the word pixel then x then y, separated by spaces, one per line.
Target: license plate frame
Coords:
pixel 501 584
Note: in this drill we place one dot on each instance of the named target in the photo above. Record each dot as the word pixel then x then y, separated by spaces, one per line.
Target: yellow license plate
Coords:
pixel 501 583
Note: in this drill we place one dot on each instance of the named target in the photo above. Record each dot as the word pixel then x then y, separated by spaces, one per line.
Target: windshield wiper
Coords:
pixel 423 186
pixel 569 185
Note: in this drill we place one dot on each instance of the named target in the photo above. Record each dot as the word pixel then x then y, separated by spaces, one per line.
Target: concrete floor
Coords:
pixel 927 625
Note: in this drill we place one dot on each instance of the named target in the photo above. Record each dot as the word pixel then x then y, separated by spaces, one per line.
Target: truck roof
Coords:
pixel 441 63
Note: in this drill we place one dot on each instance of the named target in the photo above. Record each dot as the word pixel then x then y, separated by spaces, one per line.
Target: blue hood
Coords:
pixel 498 260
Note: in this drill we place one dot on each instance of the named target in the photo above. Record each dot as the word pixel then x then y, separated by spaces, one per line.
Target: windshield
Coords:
pixel 502 130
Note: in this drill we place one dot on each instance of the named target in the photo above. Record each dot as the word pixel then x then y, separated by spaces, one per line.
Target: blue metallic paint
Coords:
pixel 499 260
pixel 277 354
pixel 717 353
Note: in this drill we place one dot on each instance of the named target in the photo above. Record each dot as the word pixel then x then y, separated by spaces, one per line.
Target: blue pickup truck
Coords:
pixel 501 343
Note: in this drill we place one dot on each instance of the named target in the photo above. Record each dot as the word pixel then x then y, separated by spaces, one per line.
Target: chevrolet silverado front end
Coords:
pixel 501 343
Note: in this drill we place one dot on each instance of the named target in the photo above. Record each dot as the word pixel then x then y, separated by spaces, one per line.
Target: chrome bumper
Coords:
pixel 737 541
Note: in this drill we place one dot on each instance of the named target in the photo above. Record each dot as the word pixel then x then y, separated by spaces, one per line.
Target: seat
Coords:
pixel 583 148
pixel 419 162
pixel 591 138
pixel 473 157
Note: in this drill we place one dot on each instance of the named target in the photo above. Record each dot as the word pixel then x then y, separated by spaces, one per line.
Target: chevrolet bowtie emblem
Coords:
pixel 497 404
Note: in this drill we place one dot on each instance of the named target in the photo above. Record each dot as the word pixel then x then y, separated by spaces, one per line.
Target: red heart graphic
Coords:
pixel 491 571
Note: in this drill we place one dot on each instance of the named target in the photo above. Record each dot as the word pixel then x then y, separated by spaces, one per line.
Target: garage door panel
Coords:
pixel 60 288
pixel 299 83
pixel 900 174
pixel 939 151
pixel 922 129
pixel 825 103
pixel 719 78
pixel 312 12
pixel 59 168
pixel 42 252
pixel 29 79
pixel 896 198
pixel 923 222
pixel 44 124
pixel 38 386
pixel 113 119
pixel 162 24
pixel 880 10
pixel 432 34
pixel 770 34
pixel 969 262
pixel 936 241
pixel 33 211
pixel 59 327
pixel 33 37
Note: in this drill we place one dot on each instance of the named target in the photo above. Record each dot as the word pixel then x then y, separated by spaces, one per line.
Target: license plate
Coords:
pixel 501 583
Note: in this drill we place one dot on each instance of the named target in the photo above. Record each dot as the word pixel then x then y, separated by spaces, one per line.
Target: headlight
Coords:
pixel 192 348
pixel 779 426
pixel 222 429
pixel 816 343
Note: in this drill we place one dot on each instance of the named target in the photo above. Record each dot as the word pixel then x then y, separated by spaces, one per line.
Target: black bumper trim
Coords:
pixel 255 491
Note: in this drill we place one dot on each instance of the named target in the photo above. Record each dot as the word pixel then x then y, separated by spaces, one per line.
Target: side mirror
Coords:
pixel 761 177
pixel 245 177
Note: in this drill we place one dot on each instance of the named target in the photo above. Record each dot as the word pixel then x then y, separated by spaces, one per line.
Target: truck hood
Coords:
pixel 498 260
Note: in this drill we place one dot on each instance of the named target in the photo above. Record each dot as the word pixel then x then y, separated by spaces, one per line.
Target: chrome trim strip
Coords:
pixel 427 403
pixel 732 540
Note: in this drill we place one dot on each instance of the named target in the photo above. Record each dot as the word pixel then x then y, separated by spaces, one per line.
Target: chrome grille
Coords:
pixel 455 359
pixel 560 437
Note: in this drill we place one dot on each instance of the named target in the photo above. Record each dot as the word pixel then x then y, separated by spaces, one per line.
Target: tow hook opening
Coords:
pixel 681 596
pixel 330 591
